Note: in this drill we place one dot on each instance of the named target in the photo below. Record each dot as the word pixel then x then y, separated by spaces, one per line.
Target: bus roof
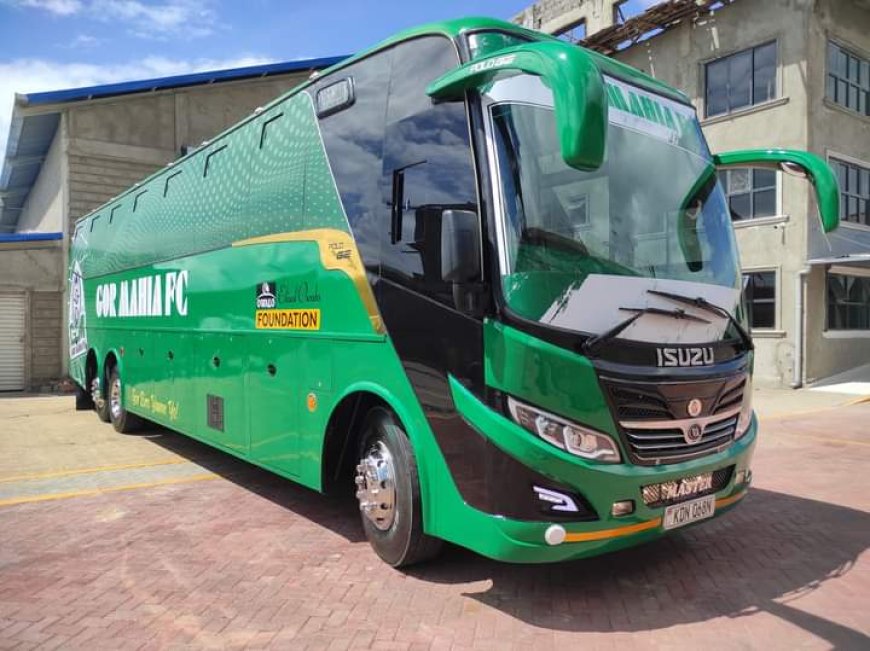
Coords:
pixel 452 29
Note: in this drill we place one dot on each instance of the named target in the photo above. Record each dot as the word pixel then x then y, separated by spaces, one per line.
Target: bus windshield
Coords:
pixel 651 217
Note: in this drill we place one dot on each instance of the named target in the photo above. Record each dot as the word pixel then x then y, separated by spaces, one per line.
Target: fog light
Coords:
pixel 625 507
pixel 555 534
pixel 743 477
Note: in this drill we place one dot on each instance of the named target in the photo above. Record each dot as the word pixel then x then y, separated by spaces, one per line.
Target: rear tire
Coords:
pixel 84 401
pixel 388 490
pixel 122 420
pixel 101 402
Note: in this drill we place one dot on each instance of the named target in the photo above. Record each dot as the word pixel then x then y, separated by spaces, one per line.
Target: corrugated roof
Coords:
pixel 177 81
pixel 29 237
pixel 32 129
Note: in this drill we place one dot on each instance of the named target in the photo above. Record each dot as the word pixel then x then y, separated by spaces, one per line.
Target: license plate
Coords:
pixel 680 515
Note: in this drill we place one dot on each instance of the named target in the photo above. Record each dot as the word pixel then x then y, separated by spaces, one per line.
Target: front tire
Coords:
pixel 388 490
pixel 122 420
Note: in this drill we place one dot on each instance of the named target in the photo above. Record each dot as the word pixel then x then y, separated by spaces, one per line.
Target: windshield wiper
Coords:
pixel 593 342
pixel 703 304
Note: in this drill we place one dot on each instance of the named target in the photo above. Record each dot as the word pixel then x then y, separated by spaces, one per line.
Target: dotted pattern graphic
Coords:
pixel 270 175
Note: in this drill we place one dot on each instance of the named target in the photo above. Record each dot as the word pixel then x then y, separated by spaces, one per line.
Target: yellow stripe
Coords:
pixel 111 489
pixel 84 471
pixel 613 533
pixel 725 501
pixel 641 526
pixel 337 252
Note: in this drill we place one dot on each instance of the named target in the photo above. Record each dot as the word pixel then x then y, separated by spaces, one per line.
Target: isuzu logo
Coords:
pixel 694 408
pixel 700 356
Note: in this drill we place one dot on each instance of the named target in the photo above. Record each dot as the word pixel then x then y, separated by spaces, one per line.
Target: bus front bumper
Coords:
pixel 601 485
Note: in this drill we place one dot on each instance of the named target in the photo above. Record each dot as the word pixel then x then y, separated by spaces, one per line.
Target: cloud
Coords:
pixel 153 20
pixel 57 7
pixel 162 20
pixel 36 75
pixel 84 40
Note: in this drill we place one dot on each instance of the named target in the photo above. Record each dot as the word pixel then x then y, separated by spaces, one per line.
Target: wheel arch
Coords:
pixel 337 453
pixel 92 368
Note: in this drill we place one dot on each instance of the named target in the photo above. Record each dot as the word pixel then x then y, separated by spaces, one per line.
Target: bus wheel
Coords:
pixel 84 401
pixel 122 420
pixel 101 405
pixel 388 491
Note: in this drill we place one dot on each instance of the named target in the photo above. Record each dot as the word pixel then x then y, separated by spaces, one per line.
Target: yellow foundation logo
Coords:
pixel 288 319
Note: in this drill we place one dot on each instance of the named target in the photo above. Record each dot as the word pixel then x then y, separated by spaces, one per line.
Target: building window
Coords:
pixel 848 81
pixel 854 182
pixel 848 302
pixel 750 192
pixel 740 80
pixel 574 32
pixel 760 290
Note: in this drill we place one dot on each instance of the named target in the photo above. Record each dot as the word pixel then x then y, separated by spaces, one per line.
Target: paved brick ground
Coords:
pixel 249 560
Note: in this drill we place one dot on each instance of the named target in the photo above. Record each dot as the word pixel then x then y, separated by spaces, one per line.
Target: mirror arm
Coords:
pixel 820 174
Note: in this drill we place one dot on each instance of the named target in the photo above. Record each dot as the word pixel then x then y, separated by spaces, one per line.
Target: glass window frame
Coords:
pixel 752 80
pixel 832 301
pixel 725 180
pixel 843 169
pixel 841 86
pixel 750 300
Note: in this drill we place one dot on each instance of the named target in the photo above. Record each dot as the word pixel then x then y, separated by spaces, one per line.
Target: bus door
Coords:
pixel 429 173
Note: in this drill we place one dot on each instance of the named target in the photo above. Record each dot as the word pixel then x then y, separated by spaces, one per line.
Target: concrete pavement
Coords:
pixel 132 548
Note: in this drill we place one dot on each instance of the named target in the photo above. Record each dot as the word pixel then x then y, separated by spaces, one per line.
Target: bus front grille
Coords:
pixel 655 420
pixel 670 445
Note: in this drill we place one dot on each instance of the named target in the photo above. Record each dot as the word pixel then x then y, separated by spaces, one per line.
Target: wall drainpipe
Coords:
pixel 797 375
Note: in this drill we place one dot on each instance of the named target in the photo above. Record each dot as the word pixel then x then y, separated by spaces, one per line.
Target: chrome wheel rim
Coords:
pixel 115 398
pixel 376 486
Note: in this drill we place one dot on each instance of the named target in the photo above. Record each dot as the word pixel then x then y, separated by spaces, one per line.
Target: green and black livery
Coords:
pixel 372 279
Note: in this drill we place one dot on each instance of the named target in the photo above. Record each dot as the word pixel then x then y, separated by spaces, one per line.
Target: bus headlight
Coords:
pixel 745 418
pixel 573 438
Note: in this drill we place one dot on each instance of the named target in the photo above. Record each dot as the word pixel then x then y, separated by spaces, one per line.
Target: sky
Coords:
pixel 56 44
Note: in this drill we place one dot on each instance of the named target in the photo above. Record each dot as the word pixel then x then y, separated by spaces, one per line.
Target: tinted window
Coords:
pixel 427 165
pixel 354 138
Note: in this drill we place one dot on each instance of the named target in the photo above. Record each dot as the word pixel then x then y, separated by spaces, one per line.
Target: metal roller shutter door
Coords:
pixel 12 312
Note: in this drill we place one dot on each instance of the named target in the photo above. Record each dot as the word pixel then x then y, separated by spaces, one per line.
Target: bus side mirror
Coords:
pixel 579 96
pixel 460 246
pixel 798 163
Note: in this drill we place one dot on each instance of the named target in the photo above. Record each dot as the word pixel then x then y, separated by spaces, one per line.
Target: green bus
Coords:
pixel 483 279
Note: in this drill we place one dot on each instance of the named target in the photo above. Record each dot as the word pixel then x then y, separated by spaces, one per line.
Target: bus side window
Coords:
pixel 353 138
pixel 427 167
